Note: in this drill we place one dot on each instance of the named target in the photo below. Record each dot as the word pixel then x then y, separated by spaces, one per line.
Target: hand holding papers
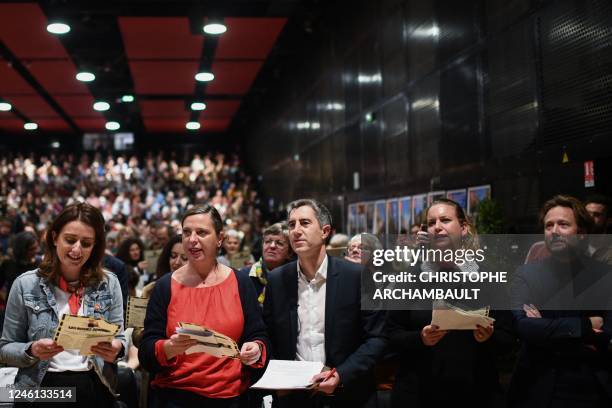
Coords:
pixel 449 317
pixel 136 311
pixel 289 375
pixel 82 332
pixel 209 341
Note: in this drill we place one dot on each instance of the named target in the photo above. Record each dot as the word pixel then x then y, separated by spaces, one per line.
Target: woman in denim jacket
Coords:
pixel 70 280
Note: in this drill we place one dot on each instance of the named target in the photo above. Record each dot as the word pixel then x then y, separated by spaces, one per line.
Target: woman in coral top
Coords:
pixel 209 294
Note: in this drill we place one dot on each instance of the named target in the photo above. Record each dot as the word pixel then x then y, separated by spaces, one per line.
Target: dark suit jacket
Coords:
pixel 354 338
pixel 465 369
pixel 561 356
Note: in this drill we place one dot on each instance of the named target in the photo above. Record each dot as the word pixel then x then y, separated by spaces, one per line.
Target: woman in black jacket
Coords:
pixel 443 367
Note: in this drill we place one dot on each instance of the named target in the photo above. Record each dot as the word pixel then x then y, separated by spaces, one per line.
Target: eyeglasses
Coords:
pixel 280 244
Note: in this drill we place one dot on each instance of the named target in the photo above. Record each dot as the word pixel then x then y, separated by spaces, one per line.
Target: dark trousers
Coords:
pixel 174 398
pixel 304 399
pixel 90 392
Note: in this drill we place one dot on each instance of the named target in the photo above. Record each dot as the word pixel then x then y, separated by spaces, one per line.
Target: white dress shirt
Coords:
pixel 67 360
pixel 311 315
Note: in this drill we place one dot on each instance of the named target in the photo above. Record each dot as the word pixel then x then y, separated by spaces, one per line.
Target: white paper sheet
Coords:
pixel 288 375
pixel 453 318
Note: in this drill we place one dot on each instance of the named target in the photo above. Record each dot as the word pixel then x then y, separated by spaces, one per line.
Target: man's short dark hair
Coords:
pixel 599 199
pixel 321 212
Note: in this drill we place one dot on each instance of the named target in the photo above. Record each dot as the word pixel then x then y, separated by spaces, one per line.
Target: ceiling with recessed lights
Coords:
pixel 148 51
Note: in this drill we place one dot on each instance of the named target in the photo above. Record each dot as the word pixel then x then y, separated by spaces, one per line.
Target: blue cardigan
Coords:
pixel 156 319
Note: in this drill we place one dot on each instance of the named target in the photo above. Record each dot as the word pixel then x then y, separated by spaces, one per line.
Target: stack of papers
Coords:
pixel 209 341
pixel 288 375
pixel 449 317
pixel 82 332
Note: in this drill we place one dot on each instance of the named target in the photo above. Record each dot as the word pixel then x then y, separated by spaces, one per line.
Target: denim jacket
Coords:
pixel 31 314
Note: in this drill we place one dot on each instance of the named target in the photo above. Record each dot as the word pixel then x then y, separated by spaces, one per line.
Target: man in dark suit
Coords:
pixel 562 314
pixel 313 313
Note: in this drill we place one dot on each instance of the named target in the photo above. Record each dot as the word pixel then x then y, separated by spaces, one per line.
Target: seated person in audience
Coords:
pixel 234 257
pixel 361 246
pixel 23 257
pixel 276 252
pixel 599 247
pixel 337 245
pixel 212 295
pixel 131 252
pixel 170 259
pixel 70 280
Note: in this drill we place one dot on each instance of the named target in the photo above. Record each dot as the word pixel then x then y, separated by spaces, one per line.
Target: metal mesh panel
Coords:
pixel 576 42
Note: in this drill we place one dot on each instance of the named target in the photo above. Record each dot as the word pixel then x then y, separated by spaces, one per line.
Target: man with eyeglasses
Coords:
pixel 276 252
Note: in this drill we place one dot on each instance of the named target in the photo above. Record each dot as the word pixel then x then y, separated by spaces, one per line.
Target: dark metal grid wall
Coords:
pixel 472 92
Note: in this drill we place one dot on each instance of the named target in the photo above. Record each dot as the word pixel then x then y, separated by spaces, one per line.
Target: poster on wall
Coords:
pixel 392 217
pixel 476 195
pixel 380 217
pixel 361 224
pixel 434 195
pixel 351 223
pixel 405 214
pixel 419 204
pixel 369 207
pixel 459 196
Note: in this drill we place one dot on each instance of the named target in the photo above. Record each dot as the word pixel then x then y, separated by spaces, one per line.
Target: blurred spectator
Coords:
pixel 234 257
pixel 131 252
pixel 337 245
pixel 172 257
pixel 5 231
pixel 24 257
pixel 599 247
pixel 361 246
pixel 276 252
pixel 111 242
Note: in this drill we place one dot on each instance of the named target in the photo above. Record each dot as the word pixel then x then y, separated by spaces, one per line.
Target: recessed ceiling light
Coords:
pixel 215 28
pixel 127 98
pixel 192 125
pixel 85 76
pixel 58 28
pixel 112 125
pixel 5 107
pixel 204 76
pixel 101 106
pixel 30 126
pixel 198 106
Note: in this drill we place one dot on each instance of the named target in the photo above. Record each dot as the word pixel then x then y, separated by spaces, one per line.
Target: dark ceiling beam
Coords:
pixel 20 115
pixel 175 8
pixel 187 97
pixel 97 45
pixel 209 48
pixel 25 74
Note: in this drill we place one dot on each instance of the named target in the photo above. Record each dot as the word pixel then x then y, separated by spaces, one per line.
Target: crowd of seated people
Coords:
pixel 140 198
